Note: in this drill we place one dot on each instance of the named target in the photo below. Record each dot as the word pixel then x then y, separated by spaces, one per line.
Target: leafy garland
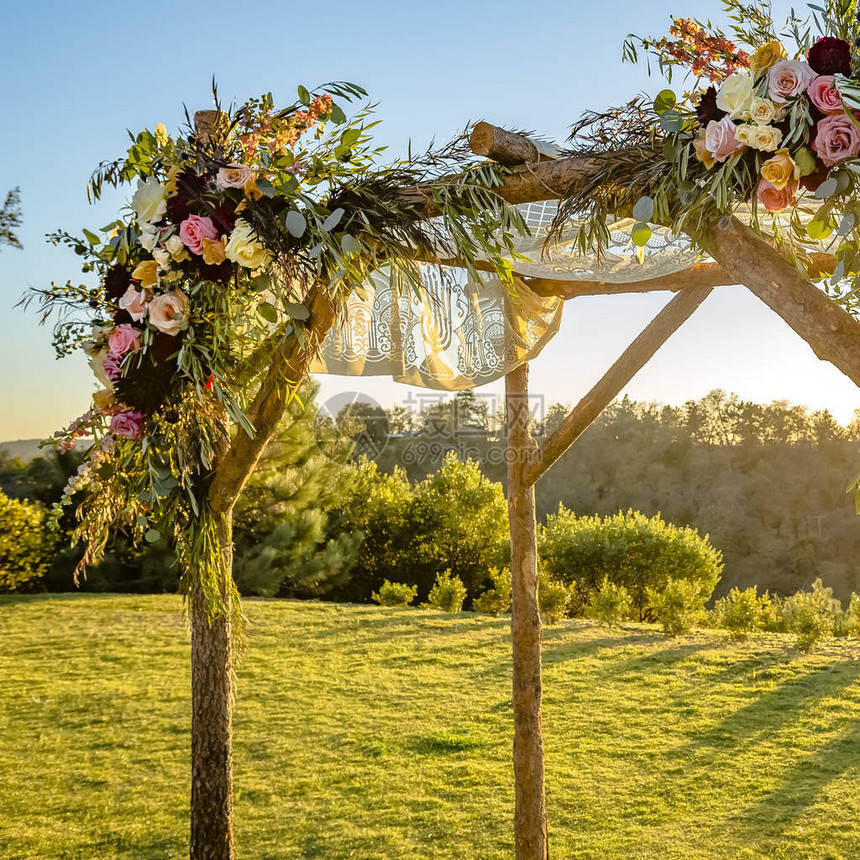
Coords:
pixel 206 272
pixel 770 126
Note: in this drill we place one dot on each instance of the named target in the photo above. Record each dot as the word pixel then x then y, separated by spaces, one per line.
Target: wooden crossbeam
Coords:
pixel 632 360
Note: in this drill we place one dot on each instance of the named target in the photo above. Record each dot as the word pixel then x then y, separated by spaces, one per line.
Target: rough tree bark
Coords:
pixel 530 828
pixel 212 720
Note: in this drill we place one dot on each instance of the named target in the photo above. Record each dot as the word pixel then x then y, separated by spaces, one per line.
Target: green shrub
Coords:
pixel 497 599
pixel 641 553
pixel 447 594
pixel 395 594
pixel 678 606
pixel 553 599
pixel 744 612
pixel 811 616
pixel 26 544
pixel 610 605
pixel 853 615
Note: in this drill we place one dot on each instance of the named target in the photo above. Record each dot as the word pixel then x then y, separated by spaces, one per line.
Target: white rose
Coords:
pixel 244 249
pixel 168 312
pixel 162 258
pixel 765 138
pixel 174 245
pixel 743 134
pixel 148 237
pixel 762 111
pixel 735 95
pixel 149 201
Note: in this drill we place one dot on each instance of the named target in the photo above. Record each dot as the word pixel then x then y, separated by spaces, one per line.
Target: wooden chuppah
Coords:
pixel 742 257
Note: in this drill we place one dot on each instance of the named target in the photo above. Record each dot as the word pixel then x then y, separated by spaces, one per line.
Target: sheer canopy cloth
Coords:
pixel 456 333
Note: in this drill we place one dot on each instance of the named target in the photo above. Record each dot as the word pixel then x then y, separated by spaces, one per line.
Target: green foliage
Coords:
pixel 554 599
pixel 811 616
pixel 448 593
pixel 678 605
pixel 26 545
pixel 610 604
pixel 497 599
pixel 641 553
pixel 455 518
pixel 395 594
pixel 744 612
pixel 281 530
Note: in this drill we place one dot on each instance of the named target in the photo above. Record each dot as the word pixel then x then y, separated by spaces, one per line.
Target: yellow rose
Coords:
pixel 766 55
pixel 780 170
pixel 162 138
pixel 244 248
pixel 702 152
pixel 213 252
pixel 251 190
pixel 146 272
pixel 104 399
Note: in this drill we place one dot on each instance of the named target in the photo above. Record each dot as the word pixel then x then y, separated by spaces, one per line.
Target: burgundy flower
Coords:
pixel 224 217
pixel 188 199
pixel 830 56
pixel 706 109
pixel 812 180
pixel 122 317
pixel 165 346
pixel 219 274
pixel 117 281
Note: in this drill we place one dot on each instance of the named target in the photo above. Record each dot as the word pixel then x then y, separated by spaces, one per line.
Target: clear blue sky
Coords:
pixel 76 75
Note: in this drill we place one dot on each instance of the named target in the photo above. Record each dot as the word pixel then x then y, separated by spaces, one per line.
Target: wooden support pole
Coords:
pixel 832 332
pixel 530 829
pixel 506 147
pixel 632 360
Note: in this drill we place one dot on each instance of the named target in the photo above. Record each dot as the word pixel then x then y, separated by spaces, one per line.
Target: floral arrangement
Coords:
pixel 769 122
pixel 209 270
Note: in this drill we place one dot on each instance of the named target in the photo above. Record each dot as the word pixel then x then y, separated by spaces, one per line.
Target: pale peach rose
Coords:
pixel 788 79
pixel 134 300
pixel 168 312
pixel 762 111
pixel 720 139
pixel 776 199
pixel 213 252
pixel 233 176
pixel 765 138
pixel 146 272
pixel 780 170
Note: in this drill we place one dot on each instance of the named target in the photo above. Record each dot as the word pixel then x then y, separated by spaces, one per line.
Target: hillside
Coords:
pixel 372 733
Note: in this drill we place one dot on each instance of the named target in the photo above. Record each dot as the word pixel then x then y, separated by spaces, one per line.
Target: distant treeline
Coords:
pixel 766 482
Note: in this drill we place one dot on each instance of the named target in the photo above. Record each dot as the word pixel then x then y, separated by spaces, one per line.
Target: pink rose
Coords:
pixel 134 300
pixel 194 229
pixel 128 424
pixel 233 176
pixel 169 312
pixel 720 139
pixel 787 79
pixel 774 199
pixel 124 338
pixel 823 94
pixel 112 364
pixel 837 138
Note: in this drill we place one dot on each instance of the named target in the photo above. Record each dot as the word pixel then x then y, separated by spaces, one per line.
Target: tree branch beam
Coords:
pixel 632 360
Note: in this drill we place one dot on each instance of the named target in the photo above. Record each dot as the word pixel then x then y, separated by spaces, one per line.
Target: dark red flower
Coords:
pixel 122 317
pixel 812 180
pixel 117 281
pixel 165 346
pixel 830 56
pixel 224 217
pixel 219 274
pixel 706 109
pixel 189 197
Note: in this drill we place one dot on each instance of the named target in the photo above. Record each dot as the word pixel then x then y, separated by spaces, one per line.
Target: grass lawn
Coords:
pixel 380 733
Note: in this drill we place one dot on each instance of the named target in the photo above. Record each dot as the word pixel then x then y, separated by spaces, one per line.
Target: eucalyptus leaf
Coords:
pixel 297 311
pixel 847 224
pixel 826 189
pixel 350 245
pixel 265 186
pixel 819 229
pixel 152 535
pixel 268 312
pixel 671 121
pixel 664 101
pixel 338 117
pixel 261 283
pixel 333 220
pixel 644 209
pixel 296 223
pixel 304 95
pixel 640 234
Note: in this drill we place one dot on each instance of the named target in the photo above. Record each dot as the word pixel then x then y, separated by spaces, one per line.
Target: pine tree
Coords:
pixel 281 530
